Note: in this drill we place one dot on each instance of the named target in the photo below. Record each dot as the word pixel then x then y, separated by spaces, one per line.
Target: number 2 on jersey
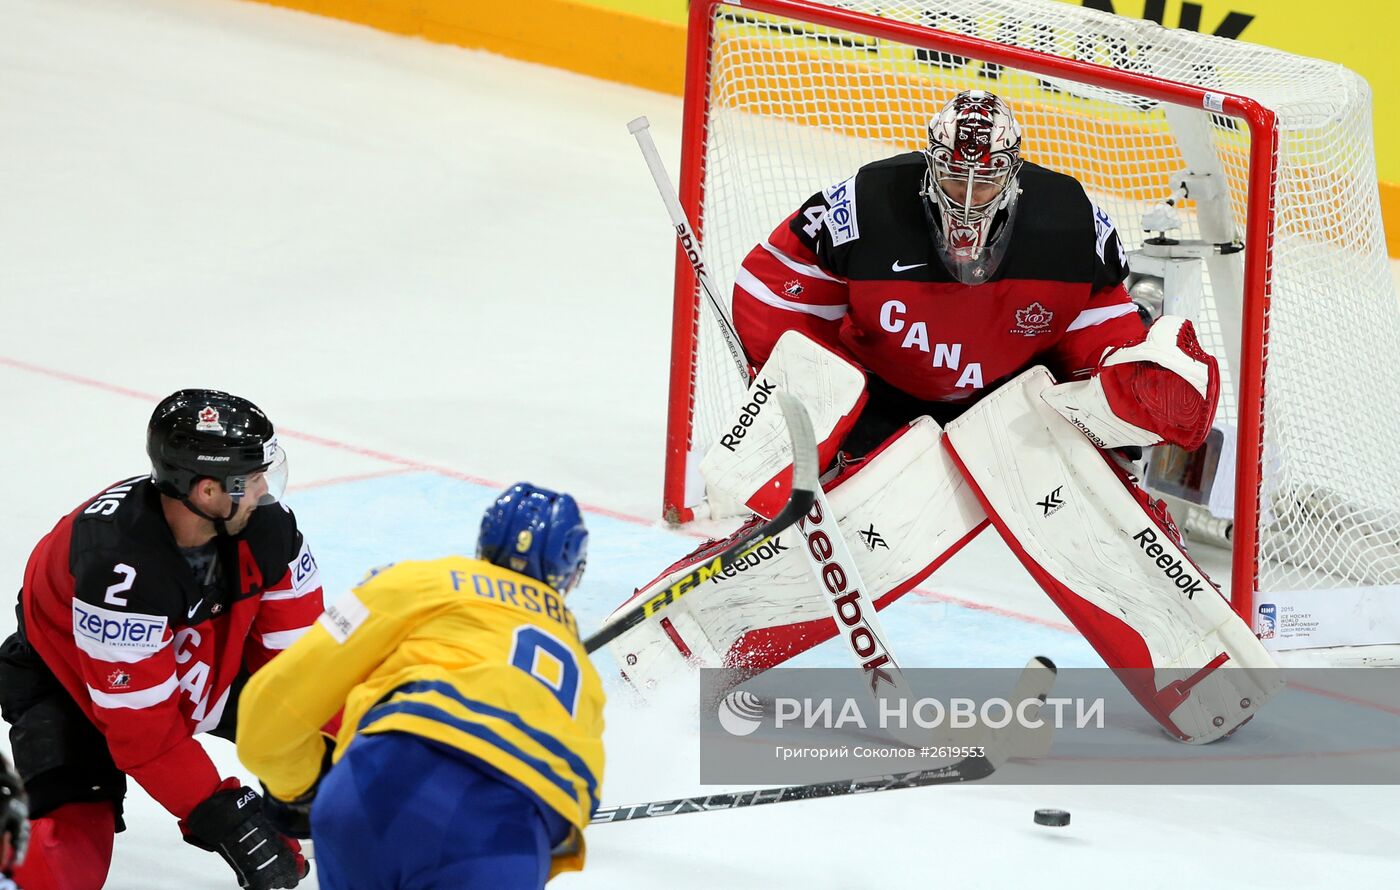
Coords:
pixel 549 661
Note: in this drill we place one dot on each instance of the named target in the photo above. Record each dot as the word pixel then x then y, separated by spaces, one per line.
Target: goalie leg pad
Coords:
pixel 1116 571
pixel 905 510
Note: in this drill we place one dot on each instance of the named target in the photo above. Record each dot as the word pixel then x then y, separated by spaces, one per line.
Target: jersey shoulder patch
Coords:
pixel 841 220
pixel 1103 232
pixel 109 635
pixel 344 616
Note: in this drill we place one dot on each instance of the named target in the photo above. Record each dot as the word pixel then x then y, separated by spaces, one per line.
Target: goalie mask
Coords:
pixel 970 190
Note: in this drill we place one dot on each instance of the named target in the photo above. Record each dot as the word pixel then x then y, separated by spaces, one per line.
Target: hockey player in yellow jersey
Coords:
pixel 470 751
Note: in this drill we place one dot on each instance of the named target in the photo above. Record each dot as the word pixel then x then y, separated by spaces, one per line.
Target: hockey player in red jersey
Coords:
pixel 955 320
pixel 944 272
pixel 142 614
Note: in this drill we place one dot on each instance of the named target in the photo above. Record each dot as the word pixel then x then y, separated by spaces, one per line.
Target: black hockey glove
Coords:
pixel 293 817
pixel 231 823
pixel 290 817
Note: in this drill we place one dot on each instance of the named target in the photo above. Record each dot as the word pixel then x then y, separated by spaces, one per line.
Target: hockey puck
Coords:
pixel 1056 818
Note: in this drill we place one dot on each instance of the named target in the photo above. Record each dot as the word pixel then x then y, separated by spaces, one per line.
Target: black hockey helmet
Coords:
pixel 197 433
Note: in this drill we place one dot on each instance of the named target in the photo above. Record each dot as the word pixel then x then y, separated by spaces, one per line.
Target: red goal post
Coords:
pixel 773 84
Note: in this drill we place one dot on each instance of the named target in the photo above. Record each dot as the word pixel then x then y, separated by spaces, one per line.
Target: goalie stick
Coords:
pixel 827 552
pixel 804 488
pixel 1035 682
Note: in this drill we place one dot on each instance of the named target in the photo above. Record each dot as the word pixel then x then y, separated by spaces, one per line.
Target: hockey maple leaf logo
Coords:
pixel 793 288
pixel 1032 320
pixel 209 420
pixel 118 679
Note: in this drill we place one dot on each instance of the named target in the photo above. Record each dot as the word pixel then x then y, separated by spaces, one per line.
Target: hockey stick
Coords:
pixel 804 488
pixel 966 770
pixel 1035 682
pixel 827 552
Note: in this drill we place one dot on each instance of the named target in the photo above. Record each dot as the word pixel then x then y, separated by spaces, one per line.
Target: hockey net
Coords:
pixel 785 97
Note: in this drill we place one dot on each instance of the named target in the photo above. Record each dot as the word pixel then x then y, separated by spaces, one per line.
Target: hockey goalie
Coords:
pixel 956 322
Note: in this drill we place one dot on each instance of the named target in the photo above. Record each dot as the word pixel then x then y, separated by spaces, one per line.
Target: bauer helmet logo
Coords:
pixel 209 420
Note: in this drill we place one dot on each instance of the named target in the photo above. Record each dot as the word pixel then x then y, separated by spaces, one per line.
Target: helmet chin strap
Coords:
pixel 219 521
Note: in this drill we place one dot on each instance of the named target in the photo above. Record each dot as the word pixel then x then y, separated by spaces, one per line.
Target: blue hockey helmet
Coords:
pixel 536 532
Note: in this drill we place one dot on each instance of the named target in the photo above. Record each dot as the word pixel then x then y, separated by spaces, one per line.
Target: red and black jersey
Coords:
pixel 856 267
pixel 149 651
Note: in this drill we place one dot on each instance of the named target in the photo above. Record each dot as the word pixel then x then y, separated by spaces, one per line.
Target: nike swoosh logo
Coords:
pixel 896 267
pixel 195 608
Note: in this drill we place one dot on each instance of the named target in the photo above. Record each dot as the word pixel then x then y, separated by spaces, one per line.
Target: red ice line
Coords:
pixel 405 464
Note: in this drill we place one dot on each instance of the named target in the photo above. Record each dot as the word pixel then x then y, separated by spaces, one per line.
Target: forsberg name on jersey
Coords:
pixel 523 596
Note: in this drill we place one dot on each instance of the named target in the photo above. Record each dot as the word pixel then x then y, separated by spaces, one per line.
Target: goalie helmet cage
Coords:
pixel 785 97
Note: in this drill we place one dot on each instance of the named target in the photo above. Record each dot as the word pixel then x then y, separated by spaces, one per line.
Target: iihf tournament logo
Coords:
pixel 1268 612
pixel 740 712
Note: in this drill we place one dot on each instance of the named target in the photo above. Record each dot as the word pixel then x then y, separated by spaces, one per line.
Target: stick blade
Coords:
pixel 1035 682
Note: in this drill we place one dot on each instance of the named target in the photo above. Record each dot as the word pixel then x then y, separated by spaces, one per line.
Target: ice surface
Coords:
pixel 440 272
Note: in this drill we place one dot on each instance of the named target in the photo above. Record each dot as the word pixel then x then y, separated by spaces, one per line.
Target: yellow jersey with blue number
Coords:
pixel 456 650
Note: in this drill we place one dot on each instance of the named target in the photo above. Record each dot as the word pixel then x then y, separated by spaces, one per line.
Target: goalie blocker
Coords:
pixel 1152 615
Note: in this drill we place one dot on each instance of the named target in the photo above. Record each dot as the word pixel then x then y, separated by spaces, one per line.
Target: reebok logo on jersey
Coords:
pixel 748 413
pixel 1173 567
pixel 116 636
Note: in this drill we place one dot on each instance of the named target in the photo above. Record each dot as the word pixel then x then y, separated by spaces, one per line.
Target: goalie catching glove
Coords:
pixel 1164 389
